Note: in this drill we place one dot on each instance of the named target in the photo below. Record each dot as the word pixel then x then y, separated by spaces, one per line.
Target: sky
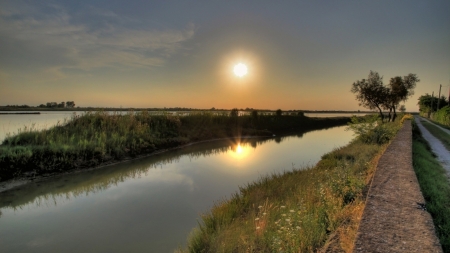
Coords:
pixel 300 55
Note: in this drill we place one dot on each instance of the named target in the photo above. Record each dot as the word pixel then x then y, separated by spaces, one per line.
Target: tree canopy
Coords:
pixel 373 94
pixel 400 89
pixel 370 92
pixel 425 102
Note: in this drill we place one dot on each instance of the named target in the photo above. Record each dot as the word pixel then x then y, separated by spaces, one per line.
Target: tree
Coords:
pixel 400 89
pixel 234 113
pixel 371 93
pixel 402 108
pixel 254 114
pixel 279 112
pixel 426 101
pixel 70 104
pixel 51 104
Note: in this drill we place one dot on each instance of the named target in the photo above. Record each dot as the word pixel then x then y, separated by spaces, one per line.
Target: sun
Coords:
pixel 240 70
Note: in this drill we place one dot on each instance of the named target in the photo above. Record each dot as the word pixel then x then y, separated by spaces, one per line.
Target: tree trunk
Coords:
pixel 395 115
pixel 389 115
pixel 381 114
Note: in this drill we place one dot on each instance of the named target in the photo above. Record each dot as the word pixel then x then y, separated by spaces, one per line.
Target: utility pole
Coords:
pixel 439 98
pixel 431 110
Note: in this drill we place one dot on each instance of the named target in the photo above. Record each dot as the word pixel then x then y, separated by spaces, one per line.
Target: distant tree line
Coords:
pixel 373 94
pixel 68 104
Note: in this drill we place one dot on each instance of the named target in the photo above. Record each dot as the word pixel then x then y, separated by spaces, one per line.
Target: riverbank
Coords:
pixel 395 217
pixel 101 138
pixel 305 210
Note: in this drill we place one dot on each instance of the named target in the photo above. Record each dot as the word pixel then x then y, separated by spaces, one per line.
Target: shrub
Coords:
pixel 443 116
pixel 369 130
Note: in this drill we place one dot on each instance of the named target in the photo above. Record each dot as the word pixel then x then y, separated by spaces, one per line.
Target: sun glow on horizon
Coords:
pixel 240 70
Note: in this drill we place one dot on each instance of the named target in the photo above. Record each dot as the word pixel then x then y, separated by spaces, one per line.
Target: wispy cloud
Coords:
pixel 59 40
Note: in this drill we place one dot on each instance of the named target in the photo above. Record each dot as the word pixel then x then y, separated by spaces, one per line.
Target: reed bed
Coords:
pixel 101 137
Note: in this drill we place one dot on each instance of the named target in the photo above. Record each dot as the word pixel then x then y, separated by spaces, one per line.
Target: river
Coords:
pixel 150 204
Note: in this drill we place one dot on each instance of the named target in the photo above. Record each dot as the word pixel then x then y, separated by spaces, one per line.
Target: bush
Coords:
pixel 443 116
pixel 369 130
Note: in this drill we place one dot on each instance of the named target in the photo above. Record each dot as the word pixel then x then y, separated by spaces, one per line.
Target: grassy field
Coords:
pixel 102 137
pixel 304 210
pixel 434 184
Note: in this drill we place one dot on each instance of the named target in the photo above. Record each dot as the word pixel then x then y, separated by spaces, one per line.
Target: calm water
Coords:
pixel 147 205
pixel 13 123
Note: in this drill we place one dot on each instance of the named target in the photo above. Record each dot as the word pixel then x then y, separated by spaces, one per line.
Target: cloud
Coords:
pixel 54 39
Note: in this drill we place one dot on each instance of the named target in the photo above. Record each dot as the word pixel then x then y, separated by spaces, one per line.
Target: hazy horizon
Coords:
pixel 300 55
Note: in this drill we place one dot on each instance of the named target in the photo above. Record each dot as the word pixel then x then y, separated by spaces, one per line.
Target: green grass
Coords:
pixel 100 137
pixel 438 133
pixel 303 210
pixel 435 186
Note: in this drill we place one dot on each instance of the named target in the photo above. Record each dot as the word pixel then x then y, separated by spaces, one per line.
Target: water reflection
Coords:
pixel 90 182
pixel 149 204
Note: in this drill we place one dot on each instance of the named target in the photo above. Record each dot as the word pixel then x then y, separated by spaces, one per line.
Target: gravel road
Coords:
pixel 443 155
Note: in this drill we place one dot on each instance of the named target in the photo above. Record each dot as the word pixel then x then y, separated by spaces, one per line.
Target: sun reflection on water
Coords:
pixel 240 151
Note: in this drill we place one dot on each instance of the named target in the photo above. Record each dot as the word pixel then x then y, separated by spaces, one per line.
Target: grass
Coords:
pixel 438 133
pixel 101 137
pixel 304 210
pixel 434 184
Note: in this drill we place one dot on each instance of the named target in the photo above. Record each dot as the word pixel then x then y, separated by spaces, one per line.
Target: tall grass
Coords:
pixel 304 210
pixel 434 185
pixel 101 137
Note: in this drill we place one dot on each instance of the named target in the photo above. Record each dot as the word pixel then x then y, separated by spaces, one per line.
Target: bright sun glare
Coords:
pixel 240 151
pixel 240 70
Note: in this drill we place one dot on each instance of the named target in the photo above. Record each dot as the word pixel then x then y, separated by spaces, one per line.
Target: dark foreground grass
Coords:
pixel 435 186
pixel 101 137
pixel 304 210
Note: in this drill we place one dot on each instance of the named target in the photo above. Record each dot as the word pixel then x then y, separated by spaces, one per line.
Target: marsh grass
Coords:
pixel 103 137
pixel 303 210
pixel 434 184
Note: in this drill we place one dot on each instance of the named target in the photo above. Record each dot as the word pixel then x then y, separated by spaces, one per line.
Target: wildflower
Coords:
pixel 283 214
pixel 297 227
pixel 264 213
pixel 259 207
pixel 291 211
pixel 288 220
pixel 257 219
pixel 257 227
pixel 282 206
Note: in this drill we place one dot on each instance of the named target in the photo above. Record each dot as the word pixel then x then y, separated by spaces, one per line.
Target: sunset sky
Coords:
pixel 136 53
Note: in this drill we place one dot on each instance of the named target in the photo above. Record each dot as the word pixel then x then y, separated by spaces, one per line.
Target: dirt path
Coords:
pixel 443 155
pixel 443 129
pixel 393 221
